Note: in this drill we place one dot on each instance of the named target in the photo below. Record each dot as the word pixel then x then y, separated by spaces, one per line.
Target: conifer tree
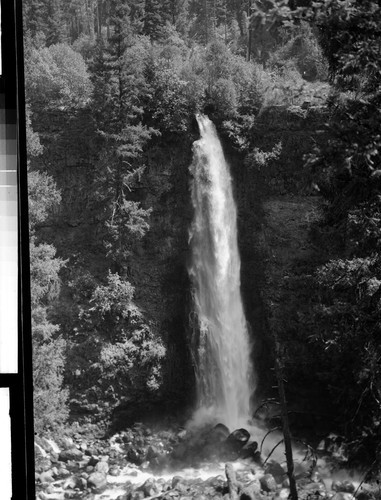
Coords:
pixel 57 28
pixel 178 11
pixel 35 16
pixel 157 13
pixel 118 88
pixel 50 398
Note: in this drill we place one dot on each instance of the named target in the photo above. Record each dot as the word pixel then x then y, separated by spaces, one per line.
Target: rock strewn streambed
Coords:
pixel 140 463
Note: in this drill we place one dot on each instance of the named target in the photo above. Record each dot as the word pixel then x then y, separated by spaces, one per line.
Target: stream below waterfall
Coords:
pixel 179 463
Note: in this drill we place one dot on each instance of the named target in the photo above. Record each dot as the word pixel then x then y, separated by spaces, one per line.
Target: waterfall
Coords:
pixel 224 374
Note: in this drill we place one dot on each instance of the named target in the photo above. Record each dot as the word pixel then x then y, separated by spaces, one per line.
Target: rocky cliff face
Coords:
pixel 159 271
pixel 275 208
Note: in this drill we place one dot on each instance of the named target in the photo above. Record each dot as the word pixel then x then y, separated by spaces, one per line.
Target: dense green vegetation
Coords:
pixel 106 82
pixel 348 170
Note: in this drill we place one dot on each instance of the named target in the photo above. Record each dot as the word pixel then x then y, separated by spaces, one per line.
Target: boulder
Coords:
pixel 250 450
pixel 282 494
pixel 42 496
pixel 237 439
pixel 93 461
pixel 316 477
pixel 251 491
pixel 54 456
pixel 257 458
pixel 65 443
pixel 340 495
pixel 268 483
pixel 39 451
pixel 136 495
pixel 315 487
pixel 74 482
pixel 344 486
pixel 276 470
pixel 48 446
pixel 218 434
pixel 46 476
pixel 54 471
pixel 90 451
pixel 135 457
pixel 152 452
pixel 102 466
pixel 176 480
pixel 62 472
pixel 114 470
pixel 179 484
pixel 301 470
pixel 150 488
pixel 216 483
pixel 127 436
pixel 131 472
pixel 43 465
pixel 97 480
pixel 286 483
pixel 72 454
pixel 365 495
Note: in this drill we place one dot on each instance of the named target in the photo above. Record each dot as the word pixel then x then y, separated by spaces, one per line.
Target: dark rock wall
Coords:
pixel 276 207
pixel 297 130
pixel 160 268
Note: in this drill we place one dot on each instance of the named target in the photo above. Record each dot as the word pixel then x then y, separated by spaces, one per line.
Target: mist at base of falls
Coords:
pixel 221 345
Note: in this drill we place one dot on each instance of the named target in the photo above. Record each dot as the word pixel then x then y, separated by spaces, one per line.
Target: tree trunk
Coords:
pixel 249 35
pixel 91 19
pixel 239 13
pixel 206 22
pixel 226 21
pixel 285 423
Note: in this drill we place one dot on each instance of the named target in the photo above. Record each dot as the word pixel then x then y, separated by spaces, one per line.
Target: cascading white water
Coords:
pixel 221 344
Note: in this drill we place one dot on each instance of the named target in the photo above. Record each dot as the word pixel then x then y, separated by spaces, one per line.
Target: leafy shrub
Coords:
pixel 57 77
pixel 170 105
pixel 50 397
pixel 303 50
pixel 124 356
pixel 113 301
pixel 43 197
pixel 44 269
pixel 133 365
pixel 259 159
pixel 127 223
pixel 223 95
pixel 85 45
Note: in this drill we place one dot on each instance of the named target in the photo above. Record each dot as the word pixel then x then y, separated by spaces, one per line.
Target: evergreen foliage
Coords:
pixel 344 321
pixel 56 77
pixel 50 398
